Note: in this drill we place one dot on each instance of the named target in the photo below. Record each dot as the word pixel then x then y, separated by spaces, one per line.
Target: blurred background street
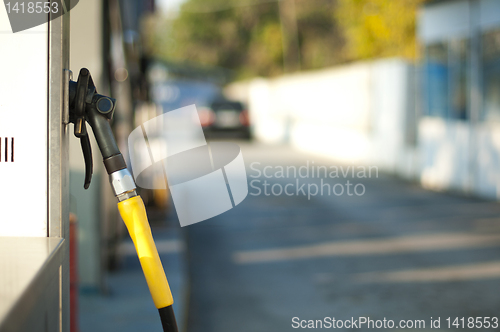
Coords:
pixel 398 252
pixel 398 101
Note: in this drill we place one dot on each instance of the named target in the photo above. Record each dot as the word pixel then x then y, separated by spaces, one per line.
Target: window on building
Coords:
pixel 445 85
pixel 436 83
pixel 458 56
pixel 491 75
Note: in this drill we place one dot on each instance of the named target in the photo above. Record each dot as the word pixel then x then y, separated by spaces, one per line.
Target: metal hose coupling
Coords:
pixel 123 184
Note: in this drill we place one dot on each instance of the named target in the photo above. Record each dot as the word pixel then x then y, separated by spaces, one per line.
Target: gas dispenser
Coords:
pixel 86 105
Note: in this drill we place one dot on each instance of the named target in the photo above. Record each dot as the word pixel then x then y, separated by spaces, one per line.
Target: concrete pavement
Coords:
pixel 397 252
pixel 128 306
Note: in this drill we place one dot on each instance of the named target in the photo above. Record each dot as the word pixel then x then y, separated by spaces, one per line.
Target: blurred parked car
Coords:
pixel 225 117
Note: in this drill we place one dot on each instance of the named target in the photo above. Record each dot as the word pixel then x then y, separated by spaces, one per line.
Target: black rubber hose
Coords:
pixel 168 319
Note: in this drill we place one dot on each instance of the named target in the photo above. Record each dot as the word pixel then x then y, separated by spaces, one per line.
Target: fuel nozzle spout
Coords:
pixel 86 105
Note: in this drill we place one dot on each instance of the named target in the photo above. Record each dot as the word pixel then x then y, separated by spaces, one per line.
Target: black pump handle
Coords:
pixel 87 105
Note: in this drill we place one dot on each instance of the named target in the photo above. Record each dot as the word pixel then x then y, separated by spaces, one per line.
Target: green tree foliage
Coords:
pixel 321 39
pixel 247 35
pixel 378 28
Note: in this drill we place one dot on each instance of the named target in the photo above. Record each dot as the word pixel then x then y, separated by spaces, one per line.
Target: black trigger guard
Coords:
pixel 87 156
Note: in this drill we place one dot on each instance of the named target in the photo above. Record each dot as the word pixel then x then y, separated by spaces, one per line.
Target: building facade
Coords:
pixel 459 90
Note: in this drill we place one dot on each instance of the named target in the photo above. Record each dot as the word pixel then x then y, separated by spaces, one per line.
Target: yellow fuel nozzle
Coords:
pixel 134 215
pixel 87 105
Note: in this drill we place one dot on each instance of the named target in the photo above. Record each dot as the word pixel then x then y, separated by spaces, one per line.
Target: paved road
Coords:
pixel 398 251
pixel 127 306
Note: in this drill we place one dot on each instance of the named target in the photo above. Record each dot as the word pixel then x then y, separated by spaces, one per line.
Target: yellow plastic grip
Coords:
pixel 134 215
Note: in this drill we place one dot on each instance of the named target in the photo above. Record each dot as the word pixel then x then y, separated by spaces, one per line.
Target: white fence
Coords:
pixel 361 113
pixel 365 113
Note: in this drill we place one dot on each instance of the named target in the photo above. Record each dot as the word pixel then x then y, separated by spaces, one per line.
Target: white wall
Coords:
pixel 354 114
pixel 23 116
pixel 445 151
pixel 457 155
pixel 447 19
pixel 454 19
pixel 486 169
pixel 362 113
